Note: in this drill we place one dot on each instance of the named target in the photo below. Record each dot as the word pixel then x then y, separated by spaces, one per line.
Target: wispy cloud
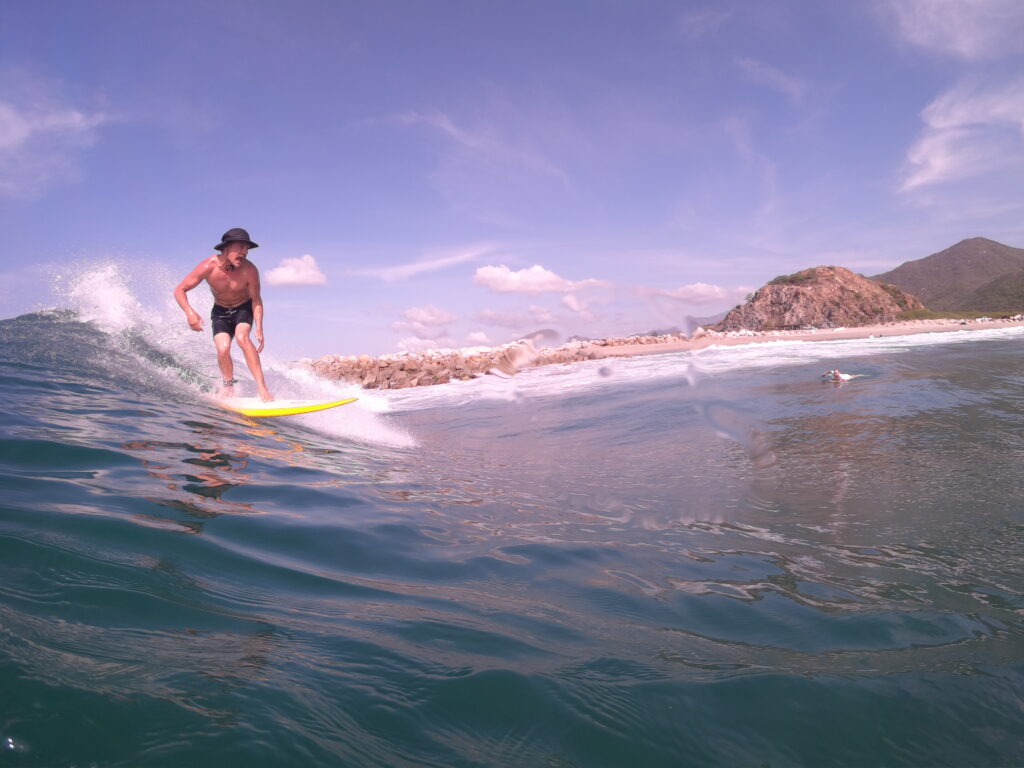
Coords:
pixel 533 280
pixel 579 306
pixel 301 271
pixel 739 132
pixel 764 74
pixel 697 24
pixel 486 145
pixel 970 130
pixel 705 293
pixel 432 264
pixel 678 305
pixel 699 294
pixel 965 29
pixel 532 316
pixel 41 138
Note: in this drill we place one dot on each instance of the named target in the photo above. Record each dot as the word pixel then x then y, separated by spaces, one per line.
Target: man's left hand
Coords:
pixel 258 333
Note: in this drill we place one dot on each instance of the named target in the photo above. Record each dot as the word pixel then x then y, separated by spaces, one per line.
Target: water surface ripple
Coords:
pixel 670 561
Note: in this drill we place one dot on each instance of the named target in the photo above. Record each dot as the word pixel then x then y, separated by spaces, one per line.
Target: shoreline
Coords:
pixel 734 338
pixel 404 369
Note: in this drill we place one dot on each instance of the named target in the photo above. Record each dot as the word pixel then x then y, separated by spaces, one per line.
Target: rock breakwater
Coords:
pixel 405 369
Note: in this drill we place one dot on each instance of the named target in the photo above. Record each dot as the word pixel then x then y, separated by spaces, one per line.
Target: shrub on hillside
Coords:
pixel 797 278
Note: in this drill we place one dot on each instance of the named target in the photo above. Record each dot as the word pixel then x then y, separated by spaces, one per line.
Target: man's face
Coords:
pixel 235 254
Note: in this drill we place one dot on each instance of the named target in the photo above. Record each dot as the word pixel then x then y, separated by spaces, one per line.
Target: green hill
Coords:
pixel 974 275
pixel 1004 294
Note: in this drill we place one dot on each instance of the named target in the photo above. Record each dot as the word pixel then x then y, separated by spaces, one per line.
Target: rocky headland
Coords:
pixel 820 296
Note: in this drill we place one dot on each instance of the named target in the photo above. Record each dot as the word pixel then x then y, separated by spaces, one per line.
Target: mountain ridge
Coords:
pixel 963 277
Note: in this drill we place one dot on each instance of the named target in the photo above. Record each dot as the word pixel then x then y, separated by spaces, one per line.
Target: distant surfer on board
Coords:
pixel 836 375
pixel 237 309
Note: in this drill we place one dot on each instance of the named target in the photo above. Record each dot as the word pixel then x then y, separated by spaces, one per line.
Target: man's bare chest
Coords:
pixel 223 282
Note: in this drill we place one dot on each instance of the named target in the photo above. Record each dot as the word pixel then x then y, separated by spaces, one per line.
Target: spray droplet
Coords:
pixel 734 425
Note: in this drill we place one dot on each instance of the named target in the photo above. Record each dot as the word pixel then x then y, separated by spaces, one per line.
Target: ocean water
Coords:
pixel 700 559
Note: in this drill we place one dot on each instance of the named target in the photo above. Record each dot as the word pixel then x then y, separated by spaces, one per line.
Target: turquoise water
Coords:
pixel 709 559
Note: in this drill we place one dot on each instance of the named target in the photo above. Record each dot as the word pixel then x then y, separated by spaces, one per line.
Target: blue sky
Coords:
pixel 450 173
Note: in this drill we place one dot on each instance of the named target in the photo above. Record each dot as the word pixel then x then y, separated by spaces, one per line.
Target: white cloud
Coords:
pixel 479 337
pixel 764 74
pixel 419 330
pixel 541 314
pixel 970 130
pixel 576 304
pixel 417 344
pixel 40 138
pixel 300 271
pixel 405 271
pixel 966 29
pixel 429 315
pixel 428 324
pixel 701 293
pixel 572 302
pixel 534 280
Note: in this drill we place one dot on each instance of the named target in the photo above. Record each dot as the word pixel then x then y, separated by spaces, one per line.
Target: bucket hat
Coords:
pixel 234 235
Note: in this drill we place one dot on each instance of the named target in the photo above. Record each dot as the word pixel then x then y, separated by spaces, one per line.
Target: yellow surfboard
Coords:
pixel 253 406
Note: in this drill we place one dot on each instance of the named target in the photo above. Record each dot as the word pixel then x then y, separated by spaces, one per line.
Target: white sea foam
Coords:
pixel 358 421
pixel 107 294
pixel 688 367
pixel 102 296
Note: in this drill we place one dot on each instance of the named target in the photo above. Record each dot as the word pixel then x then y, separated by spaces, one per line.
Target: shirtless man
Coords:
pixel 237 309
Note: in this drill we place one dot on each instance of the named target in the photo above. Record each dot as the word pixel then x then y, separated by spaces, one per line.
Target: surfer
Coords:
pixel 237 309
pixel 836 375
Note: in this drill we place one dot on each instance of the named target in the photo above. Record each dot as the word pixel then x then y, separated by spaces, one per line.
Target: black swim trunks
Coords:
pixel 226 319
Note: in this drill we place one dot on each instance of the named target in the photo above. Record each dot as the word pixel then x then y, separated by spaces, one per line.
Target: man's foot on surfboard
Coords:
pixel 265 395
pixel 228 388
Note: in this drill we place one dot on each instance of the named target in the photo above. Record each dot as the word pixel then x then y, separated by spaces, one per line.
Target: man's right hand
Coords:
pixel 195 322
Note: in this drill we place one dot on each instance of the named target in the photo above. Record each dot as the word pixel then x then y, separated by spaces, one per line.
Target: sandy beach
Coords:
pixel 733 338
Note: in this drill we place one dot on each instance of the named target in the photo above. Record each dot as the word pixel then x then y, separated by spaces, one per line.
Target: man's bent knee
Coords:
pixel 242 337
pixel 222 341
